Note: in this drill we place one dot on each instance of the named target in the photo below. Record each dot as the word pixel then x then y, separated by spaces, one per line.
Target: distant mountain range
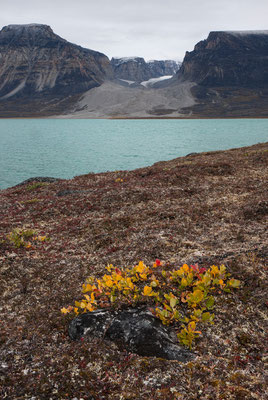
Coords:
pixel 42 74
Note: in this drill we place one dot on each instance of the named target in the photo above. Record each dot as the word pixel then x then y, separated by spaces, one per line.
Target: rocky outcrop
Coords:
pixel 136 69
pixel 136 330
pixel 163 67
pixel 34 61
pixel 228 59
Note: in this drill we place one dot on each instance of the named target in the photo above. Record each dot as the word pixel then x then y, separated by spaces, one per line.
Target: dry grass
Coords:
pixel 209 208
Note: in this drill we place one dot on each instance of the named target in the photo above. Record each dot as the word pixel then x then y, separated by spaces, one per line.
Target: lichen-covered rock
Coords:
pixel 136 330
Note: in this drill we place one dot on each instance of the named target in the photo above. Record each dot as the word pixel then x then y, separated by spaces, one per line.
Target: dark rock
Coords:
pixel 136 330
pixel 190 154
pixel 39 179
pixel 67 192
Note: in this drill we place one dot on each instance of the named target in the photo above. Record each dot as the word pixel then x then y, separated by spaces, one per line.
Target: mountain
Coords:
pixel 163 67
pixel 42 74
pixel 230 70
pixel 136 69
pixel 228 59
pixel 37 63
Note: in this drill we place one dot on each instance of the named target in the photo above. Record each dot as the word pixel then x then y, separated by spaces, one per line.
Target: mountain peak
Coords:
pixel 26 32
pixel 242 33
pixel 16 28
pixel 26 26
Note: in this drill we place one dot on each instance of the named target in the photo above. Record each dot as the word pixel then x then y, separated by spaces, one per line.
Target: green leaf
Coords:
pixel 235 283
pixel 210 303
pixel 173 302
pixel 198 296
pixel 206 317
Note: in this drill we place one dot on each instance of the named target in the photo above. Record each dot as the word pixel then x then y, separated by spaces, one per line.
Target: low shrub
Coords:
pixel 23 237
pixel 36 185
pixel 182 297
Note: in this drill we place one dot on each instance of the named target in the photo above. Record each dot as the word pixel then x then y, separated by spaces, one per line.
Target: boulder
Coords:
pixel 136 330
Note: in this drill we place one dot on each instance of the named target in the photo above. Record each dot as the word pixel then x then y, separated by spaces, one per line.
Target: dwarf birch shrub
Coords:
pixel 183 297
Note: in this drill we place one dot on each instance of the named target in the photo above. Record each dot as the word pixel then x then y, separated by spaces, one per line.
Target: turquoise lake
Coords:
pixel 66 148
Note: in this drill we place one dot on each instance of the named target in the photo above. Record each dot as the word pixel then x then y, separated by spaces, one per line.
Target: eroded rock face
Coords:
pixel 136 330
pixel 136 69
pixel 235 58
pixel 163 67
pixel 35 61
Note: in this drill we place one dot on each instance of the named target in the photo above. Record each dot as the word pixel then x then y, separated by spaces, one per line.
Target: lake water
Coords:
pixel 65 148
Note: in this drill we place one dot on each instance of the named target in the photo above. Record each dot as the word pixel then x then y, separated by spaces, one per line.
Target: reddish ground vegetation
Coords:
pixel 207 208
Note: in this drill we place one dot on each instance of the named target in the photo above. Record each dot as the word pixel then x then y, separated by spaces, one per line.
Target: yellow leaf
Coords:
pixel 185 268
pixel 183 282
pixel 87 288
pixel 147 291
pixel 64 310
pixel 215 270
pixel 110 267
pixel 89 307
pixel 109 283
pixel 191 326
pixel 140 267
pixel 143 276
pixel 222 269
pixel 198 296
pixel 130 283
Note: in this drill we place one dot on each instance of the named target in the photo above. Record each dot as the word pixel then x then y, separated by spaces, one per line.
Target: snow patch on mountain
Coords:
pixel 152 81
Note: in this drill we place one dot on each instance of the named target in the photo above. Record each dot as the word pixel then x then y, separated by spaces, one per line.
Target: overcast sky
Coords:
pixel 153 29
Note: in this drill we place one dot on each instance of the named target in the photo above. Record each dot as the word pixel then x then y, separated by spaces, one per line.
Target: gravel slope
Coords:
pixel 114 100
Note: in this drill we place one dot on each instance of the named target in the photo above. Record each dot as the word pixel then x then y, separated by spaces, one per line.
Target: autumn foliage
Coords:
pixel 183 297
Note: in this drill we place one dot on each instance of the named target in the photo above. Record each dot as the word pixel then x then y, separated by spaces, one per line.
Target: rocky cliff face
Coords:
pixel 138 70
pixel 163 67
pixel 230 70
pixel 228 59
pixel 34 61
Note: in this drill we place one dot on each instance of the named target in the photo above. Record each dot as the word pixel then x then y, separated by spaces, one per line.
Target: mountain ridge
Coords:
pixel 42 74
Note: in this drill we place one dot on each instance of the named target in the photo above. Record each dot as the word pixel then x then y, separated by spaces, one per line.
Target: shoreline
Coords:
pixel 42 178
pixel 135 118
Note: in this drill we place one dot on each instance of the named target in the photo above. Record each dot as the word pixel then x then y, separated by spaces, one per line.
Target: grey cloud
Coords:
pixel 148 28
